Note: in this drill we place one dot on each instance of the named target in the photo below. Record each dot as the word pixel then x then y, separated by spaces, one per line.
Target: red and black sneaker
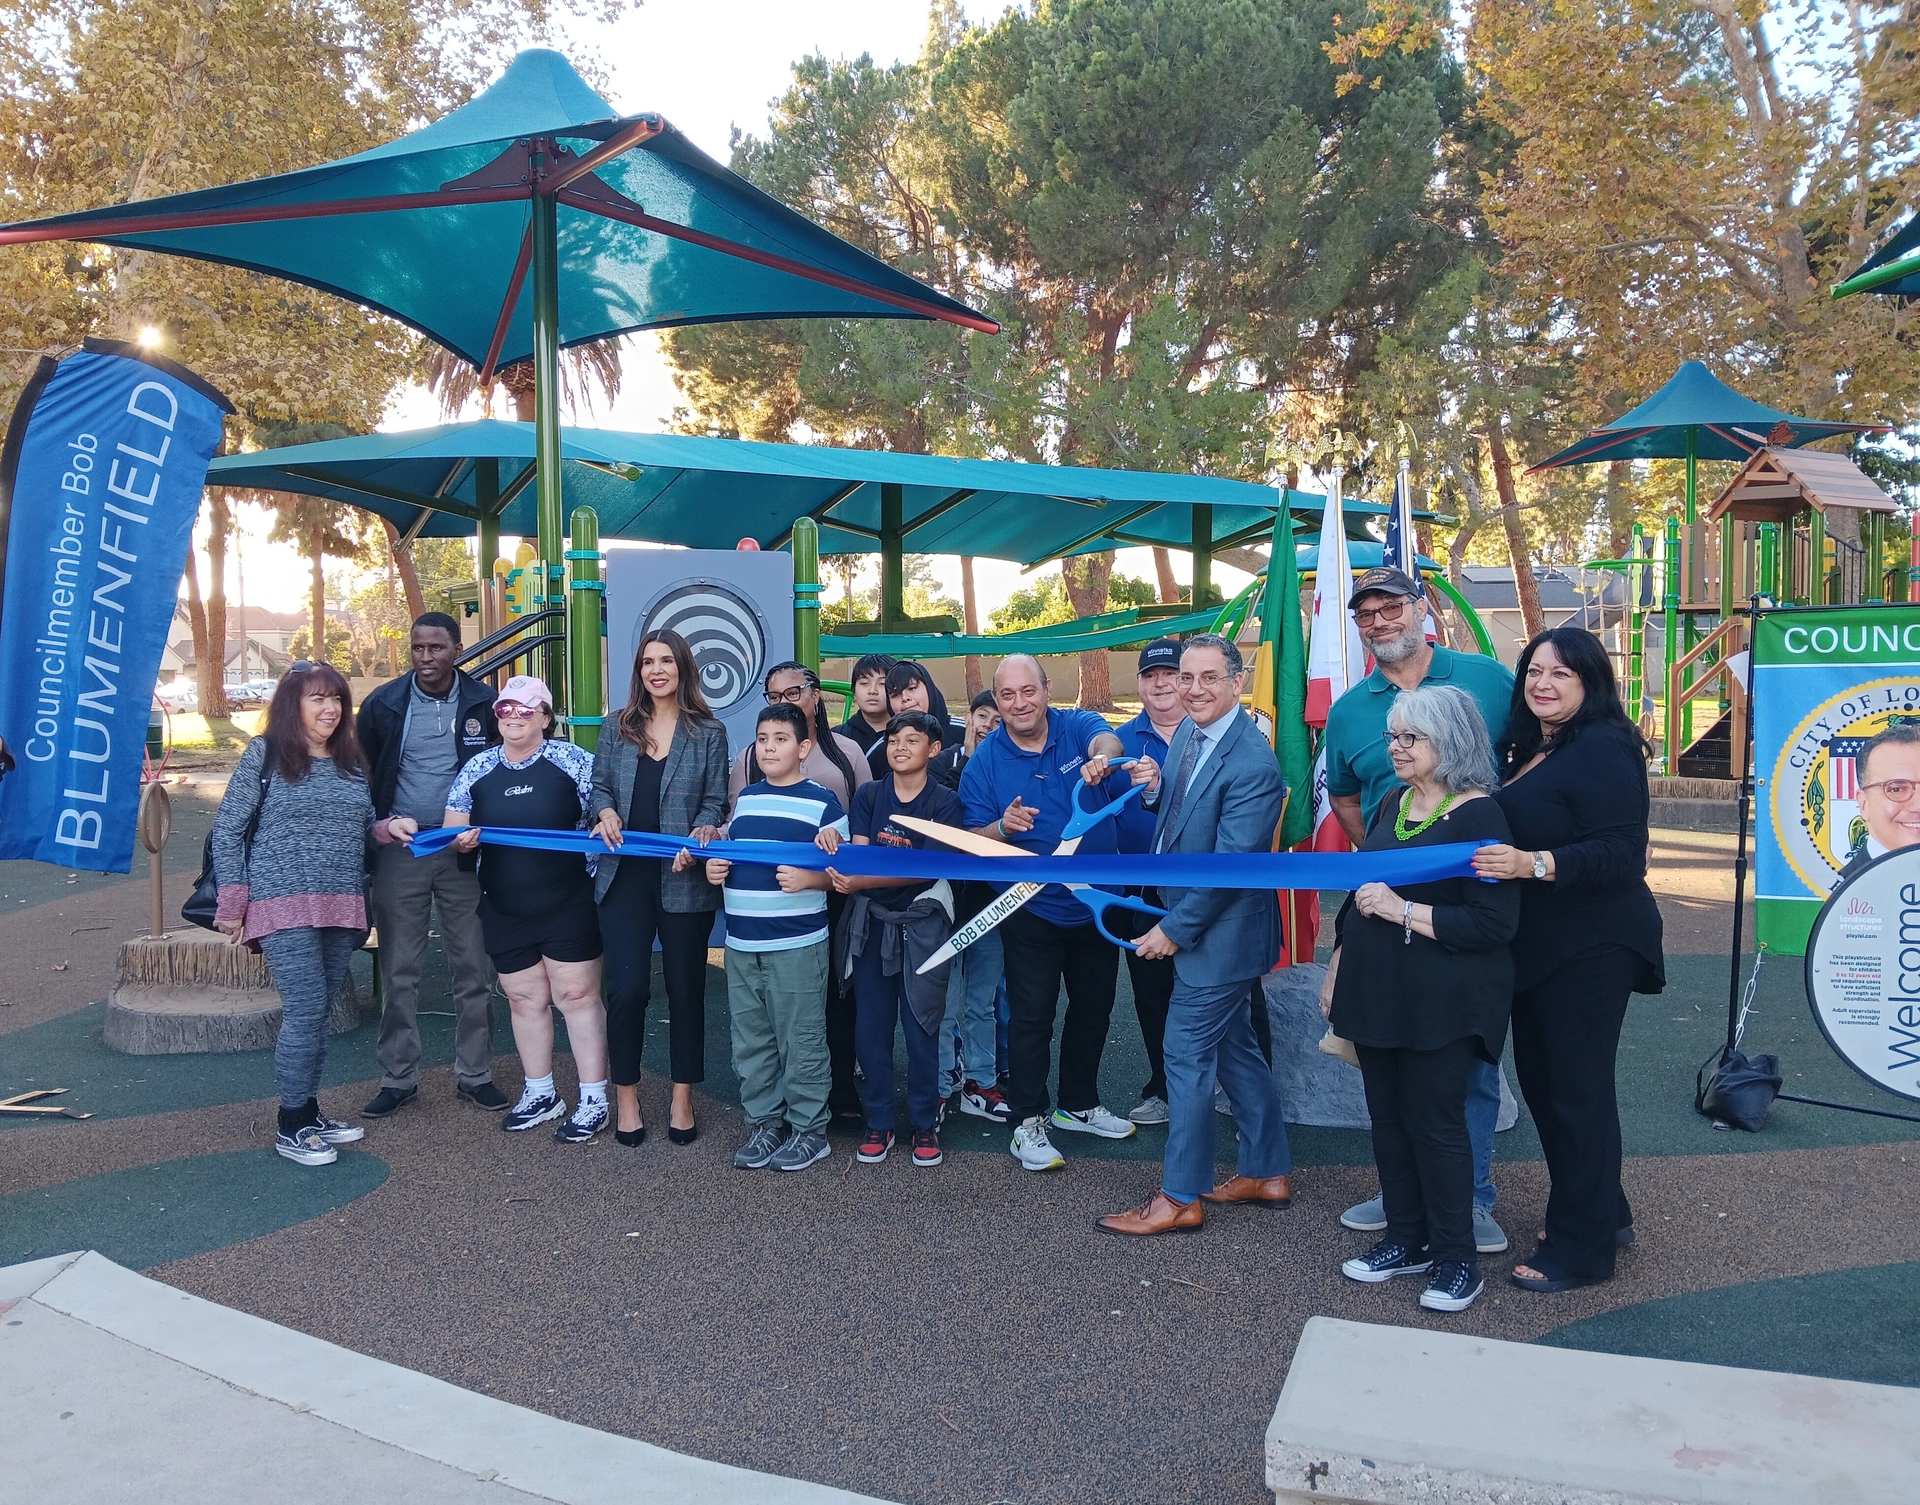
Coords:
pixel 985 1102
pixel 874 1147
pixel 926 1147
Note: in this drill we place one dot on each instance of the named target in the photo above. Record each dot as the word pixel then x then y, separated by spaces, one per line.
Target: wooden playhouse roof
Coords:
pixel 1778 483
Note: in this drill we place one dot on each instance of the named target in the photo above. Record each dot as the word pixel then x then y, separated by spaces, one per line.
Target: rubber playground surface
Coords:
pixel 960 1335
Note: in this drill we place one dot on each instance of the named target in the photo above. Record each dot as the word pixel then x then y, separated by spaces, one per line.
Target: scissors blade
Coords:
pixel 1003 905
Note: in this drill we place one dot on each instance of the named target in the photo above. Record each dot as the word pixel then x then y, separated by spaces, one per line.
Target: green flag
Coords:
pixel 1284 655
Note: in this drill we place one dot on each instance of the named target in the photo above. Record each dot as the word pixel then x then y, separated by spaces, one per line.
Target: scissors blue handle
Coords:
pixel 1084 820
pixel 1100 901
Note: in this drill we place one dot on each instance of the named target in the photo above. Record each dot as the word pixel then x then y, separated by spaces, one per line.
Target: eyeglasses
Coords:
pixel 788 697
pixel 1209 681
pixel 1403 740
pixel 1896 789
pixel 1365 616
pixel 513 711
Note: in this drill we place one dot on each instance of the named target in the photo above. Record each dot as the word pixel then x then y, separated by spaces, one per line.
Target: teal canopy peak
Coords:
pixel 1724 425
pixel 711 493
pixel 434 229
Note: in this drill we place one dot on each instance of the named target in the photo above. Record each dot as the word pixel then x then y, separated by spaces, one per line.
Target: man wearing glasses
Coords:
pixel 1392 621
pixel 1889 795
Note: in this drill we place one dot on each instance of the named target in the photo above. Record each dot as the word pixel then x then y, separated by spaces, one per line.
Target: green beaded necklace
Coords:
pixel 1400 818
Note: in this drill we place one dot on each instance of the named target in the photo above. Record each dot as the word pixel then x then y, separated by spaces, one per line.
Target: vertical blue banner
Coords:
pixel 103 467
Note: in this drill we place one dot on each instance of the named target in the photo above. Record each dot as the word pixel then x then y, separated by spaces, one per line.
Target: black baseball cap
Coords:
pixel 1384 581
pixel 1161 653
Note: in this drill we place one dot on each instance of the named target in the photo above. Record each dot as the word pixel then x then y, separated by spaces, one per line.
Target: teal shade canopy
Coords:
pixel 711 493
pixel 1902 246
pixel 1724 425
pixel 433 229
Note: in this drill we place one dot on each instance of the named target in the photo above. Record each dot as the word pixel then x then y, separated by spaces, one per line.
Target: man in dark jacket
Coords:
pixel 417 732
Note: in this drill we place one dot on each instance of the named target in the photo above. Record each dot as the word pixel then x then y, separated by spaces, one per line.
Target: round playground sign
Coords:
pixel 1863 971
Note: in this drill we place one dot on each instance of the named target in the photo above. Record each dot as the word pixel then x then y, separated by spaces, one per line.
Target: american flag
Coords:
pixel 1400 551
pixel 1843 767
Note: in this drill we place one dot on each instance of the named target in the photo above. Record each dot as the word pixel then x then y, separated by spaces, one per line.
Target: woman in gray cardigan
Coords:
pixel 663 768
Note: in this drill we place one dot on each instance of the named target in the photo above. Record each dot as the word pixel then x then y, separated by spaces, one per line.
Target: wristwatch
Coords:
pixel 1540 865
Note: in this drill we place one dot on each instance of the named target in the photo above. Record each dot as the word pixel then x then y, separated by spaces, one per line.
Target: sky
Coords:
pixel 708 66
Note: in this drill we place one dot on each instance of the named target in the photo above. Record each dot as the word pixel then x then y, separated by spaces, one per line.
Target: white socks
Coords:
pixel 592 1092
pixel 536 1088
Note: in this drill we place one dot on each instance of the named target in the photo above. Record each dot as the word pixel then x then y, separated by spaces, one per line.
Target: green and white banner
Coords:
pixel 1825 679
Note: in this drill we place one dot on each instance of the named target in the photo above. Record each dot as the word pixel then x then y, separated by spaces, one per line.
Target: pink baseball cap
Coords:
pixel 526 689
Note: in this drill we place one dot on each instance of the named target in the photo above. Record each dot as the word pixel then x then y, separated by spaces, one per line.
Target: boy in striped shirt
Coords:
pixel 777 952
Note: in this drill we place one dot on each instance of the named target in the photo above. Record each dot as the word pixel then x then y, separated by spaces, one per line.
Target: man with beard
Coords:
pixel 1392 621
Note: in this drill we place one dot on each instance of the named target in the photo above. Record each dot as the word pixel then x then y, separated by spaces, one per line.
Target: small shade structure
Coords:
pixel 459 479
pixel 533 217
pixel 1776 485
pixel 1894 269
pixel 1796 490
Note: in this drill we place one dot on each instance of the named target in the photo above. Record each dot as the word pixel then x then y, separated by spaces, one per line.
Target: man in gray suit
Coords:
pixel 1220 791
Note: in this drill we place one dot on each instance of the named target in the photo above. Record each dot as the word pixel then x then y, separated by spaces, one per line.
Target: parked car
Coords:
pixel 181 695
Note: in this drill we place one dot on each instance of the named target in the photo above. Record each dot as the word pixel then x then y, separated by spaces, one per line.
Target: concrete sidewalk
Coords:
pixel 116 1388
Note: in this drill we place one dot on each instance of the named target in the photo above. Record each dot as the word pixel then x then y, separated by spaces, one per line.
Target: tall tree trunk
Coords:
pixel 970 620
pixel 213 696
pixel 1524 585
pixel 1087 576
pixel 319 602
pixel 1163 571
pixel 402 556
pixel 518 380
pixel 1619 510
pixel 197 620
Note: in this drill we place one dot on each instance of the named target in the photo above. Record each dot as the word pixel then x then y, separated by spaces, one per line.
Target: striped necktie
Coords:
pixel 1189 761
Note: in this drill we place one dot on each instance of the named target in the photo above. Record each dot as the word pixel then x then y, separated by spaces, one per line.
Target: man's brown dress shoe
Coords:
pixel 1272 1191
pixel 1161 1215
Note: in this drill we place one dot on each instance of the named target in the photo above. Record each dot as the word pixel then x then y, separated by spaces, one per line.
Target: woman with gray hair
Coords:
pixel 1421 983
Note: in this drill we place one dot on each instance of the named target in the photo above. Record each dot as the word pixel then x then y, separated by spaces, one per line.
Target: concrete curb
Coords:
pixel 428 1418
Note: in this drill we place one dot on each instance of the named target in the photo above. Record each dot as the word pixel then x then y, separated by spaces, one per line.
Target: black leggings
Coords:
pixel 1566 1034
pixel 630 917
pixel 1417 1100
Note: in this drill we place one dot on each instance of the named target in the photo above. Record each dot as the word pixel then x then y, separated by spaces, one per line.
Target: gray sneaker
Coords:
pixel 757 1151
pixel 804 1149
pixel 1152 1110
pixel 1488 1236
pixel 1366 1217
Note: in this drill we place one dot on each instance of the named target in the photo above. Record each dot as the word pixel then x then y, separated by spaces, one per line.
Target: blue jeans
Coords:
pixel 308 965
pixel 880 1003
pixel 1209 1037
pixel 1483 1112
pixel 973 986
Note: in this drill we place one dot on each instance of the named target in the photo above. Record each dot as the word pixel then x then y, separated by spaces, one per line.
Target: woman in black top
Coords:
pixel 662 766
pixel 1420 982
pixel 1576 798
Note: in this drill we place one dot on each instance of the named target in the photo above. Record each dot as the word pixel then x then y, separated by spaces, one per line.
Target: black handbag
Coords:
pixel 204 902
pixel 1740 1091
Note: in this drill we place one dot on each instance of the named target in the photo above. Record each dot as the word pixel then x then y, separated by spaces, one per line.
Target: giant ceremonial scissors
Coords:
pixel 1072 834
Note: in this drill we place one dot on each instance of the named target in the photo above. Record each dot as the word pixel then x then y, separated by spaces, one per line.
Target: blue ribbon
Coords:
pixel 1253 870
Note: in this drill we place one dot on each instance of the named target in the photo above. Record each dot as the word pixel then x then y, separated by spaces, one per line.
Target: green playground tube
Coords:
pixel 1465 608
pixel 586 641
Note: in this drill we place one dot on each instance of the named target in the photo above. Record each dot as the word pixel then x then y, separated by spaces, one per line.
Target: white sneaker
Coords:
pixel 1033 1149
pixel 1096 1120
pixel 1222 1104
pixel 1152 1110
pixel 306 1147
pixel 335 1132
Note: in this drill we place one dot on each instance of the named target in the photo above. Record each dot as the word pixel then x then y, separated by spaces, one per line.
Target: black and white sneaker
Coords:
pixel 335 1132
pixel 588 1120
pixel 304 1146
pixel 1385 1261
pixel 530 1113
pixel 1454 1285
pixel 760 1146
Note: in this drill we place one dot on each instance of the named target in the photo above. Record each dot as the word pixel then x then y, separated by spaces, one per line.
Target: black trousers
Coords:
pixel 1040 957
pixel 1417 1100
pixel 1152 993
pixel 843 1014
pixel 1566 1035
pixel 630 917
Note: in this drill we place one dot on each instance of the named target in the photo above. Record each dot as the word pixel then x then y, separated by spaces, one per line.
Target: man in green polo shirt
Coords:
pixel 1393 626
pixel 1392 623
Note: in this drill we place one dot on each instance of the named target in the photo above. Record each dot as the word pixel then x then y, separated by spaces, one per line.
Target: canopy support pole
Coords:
pixel 1670 622
pixel 550 589
pixel 1874 589
pixel 893 563
pixel 486 496
pixel 806 592
pixel 586 590
pixel 1202 553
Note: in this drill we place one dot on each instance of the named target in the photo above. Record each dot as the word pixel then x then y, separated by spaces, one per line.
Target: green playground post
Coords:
pixel 1636 625
pixel 1873 588
pixel 893 564
pixel 1670 620
pixel 486 498
pixel 544 230
pixel 1816 557
pixel 1767 576
pixel 1202 554
pixel 806 592
pixel 586 698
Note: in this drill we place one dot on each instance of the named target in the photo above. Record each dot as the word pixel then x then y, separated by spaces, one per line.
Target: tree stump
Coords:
pixel 195 992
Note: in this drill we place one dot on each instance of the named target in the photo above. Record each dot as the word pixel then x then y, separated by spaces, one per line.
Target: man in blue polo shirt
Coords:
pixel 1360 775
pixel 1019 786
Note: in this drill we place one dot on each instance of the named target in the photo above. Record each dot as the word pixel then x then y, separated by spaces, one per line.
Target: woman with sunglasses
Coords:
pixel 662 767
pixel 1575 793
pixel 536 908
pixel 289 852
pixel 837 763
